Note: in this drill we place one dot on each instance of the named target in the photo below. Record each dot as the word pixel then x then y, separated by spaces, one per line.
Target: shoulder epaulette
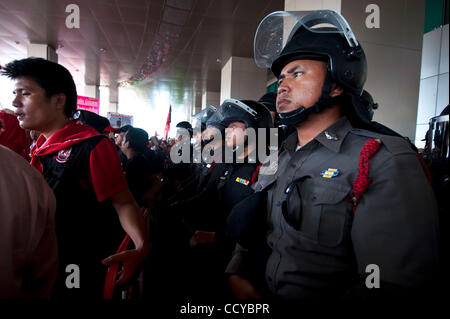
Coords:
pixel 394 144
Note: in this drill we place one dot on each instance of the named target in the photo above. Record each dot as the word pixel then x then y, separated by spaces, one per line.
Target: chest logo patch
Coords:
pixel 242 181
pixel 330 172
pixel 63 155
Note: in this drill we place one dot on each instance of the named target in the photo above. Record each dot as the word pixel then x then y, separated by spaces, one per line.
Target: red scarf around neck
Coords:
pixel 73 133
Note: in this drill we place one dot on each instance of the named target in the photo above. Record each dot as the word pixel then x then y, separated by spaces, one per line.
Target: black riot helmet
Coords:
pixel 92 119
pixel 269 100
pixel 253 114
pixel 199 119
pixel 185 125
pixel 369 105
pixel 322 35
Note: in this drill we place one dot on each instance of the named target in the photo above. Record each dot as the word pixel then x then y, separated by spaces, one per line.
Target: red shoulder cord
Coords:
pixel 363 181
pixel 425 167
pixel 212 166
pixel 113 269
pixel 256 174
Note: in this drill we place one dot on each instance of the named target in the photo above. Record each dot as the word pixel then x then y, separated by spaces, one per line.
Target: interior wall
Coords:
pixel 393 52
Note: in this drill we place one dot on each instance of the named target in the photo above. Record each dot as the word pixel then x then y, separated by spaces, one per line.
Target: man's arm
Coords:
pixel 109 181
pixel 242 288
pixel 133 224
pixel 396 226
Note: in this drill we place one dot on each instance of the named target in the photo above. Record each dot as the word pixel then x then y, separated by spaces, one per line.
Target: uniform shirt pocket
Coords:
pixel 328 201
pixel 322 215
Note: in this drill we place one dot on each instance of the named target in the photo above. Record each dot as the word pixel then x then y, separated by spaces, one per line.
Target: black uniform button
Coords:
pixel 269 279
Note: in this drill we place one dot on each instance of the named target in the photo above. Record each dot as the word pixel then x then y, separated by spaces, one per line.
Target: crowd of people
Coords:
pixel 210 215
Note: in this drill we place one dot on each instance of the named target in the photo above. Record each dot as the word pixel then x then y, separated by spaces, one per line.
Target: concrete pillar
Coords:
pixel 113 107
pixel 104 100
pixel 210 98
pixel 393 53
pixel 197 104
pixel 306 5
pixel 113 99
pixel 42 51
pixel 242 79
pixel 92 91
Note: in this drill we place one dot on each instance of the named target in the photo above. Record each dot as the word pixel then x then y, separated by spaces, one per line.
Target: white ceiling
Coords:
pixel 183 42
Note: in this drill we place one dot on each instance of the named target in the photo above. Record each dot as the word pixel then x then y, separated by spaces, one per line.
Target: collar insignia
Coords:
pixel 330 136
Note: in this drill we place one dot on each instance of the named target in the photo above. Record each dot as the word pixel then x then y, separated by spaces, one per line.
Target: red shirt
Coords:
pixel 67 147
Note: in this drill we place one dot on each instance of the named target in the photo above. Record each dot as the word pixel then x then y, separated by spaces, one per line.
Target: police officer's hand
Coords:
pixel 242 288
pixel 130 260
pixel 202 237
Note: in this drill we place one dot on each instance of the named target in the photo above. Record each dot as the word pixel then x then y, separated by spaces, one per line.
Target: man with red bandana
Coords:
pixel 83 169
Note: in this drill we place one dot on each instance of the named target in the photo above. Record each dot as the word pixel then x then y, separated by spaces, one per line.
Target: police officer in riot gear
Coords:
pixel 191 231
pixel 349 195
pixel 229 183
pixel 199 123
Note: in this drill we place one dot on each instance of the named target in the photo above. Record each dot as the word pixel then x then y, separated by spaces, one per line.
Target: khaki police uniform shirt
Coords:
pixel 395 226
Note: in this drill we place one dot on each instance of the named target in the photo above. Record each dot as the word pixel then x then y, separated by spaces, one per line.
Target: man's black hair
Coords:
pixel 50 76
pixel 138 139
pixel 124 128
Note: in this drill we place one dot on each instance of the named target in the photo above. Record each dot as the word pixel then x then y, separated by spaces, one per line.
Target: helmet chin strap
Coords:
pixel 300 114
pixel 239 149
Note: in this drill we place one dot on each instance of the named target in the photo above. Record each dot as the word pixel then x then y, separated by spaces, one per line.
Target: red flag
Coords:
pixel 167 128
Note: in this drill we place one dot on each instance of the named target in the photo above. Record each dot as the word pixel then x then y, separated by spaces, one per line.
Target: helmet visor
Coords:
pixel 232 110
pixel 203 116
pixel 277 28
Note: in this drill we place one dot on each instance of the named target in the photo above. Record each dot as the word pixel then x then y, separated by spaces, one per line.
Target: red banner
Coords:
pixel 167 128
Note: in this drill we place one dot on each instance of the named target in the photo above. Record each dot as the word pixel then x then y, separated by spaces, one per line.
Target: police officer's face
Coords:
pixel 33 109
pixel 197 137
pixel 235 134
pixel 300 84
pixel 212 136
pixel 210 132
